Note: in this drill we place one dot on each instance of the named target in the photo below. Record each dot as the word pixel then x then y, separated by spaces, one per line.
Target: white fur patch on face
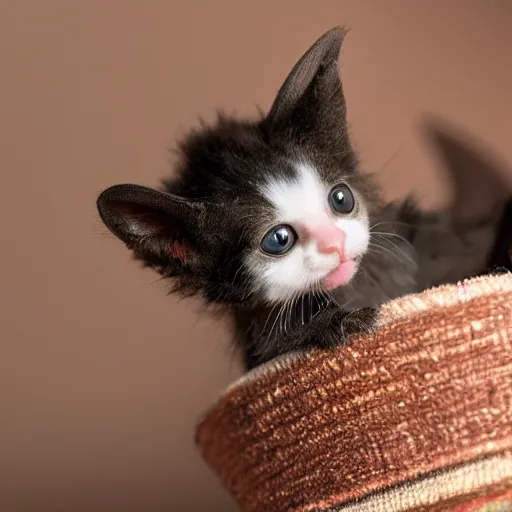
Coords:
pixel 298 201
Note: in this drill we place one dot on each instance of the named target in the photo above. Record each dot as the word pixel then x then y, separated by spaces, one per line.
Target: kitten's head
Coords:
pixel 260 211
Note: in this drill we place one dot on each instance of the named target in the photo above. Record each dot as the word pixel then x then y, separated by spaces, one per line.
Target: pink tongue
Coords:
pixel 340 276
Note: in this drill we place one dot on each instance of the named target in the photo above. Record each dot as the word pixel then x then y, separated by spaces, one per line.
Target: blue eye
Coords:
pixel 278 240
pixel 341 199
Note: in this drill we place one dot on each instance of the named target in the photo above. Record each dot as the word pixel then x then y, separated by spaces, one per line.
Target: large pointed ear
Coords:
pixel 157 226
pixel 311 98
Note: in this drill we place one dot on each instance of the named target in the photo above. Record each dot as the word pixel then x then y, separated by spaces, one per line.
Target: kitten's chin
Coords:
pixel 340 275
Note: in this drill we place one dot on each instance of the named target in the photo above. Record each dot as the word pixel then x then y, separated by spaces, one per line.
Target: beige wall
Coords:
pixel 102 376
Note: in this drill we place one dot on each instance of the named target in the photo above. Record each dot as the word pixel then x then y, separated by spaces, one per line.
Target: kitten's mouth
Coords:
pixel 340 275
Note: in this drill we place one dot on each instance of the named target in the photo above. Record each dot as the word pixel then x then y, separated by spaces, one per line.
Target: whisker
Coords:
pixel 396 222
pixel 236 273
pixel 396 235
pixel 269 316
pixel 406 256
pixel 273 325
pixel 156 280
pixel 388 250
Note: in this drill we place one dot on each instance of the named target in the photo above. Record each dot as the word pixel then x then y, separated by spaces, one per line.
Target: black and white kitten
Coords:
pixel 272 221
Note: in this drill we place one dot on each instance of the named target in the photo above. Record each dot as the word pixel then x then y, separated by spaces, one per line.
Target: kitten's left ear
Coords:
pixel 311 100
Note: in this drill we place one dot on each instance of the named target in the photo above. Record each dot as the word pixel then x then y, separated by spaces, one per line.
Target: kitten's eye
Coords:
pixel 341 199
pixel 278 240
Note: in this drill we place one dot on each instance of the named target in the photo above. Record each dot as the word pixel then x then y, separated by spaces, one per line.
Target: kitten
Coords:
pixel 271 221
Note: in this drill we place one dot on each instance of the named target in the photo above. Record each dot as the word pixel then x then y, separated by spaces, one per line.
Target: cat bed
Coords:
pixel 415 416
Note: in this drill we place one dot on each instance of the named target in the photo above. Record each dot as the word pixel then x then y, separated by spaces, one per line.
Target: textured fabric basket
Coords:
pixel 416 416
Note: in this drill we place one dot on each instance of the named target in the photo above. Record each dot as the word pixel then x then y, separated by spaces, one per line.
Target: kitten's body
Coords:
pixel 272 221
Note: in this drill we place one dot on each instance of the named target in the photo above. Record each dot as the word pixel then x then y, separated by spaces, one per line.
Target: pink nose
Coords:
pixel 329 239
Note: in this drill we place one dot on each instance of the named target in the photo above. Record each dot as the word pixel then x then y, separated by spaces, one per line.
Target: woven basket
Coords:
pixel 416 416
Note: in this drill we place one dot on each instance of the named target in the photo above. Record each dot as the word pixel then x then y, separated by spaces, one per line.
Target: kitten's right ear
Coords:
pixel 157 226
pixel 311 98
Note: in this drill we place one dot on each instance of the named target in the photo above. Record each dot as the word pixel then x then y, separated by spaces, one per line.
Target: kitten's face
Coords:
pixel 316 232
pixel 260 211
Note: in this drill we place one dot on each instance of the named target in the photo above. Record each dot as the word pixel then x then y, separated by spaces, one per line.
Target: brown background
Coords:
pixel 102 377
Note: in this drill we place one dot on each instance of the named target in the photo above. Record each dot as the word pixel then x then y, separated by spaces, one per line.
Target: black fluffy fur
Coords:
pixel 212 210
pixel 500 259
